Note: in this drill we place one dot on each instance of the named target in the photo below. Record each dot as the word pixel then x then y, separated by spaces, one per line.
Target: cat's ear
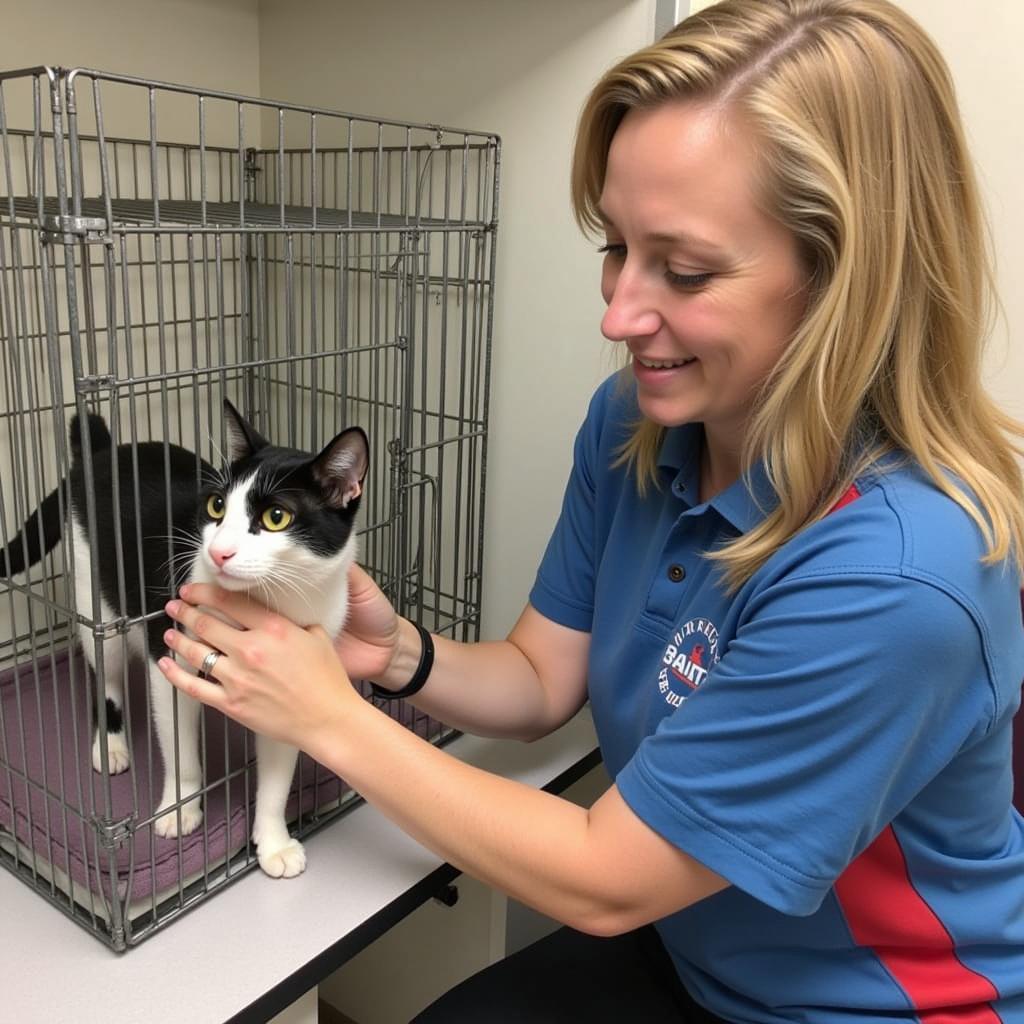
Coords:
pixel 243 438
pixel 341 467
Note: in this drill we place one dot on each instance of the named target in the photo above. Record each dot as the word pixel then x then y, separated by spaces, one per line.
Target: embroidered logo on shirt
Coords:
pixel 692 653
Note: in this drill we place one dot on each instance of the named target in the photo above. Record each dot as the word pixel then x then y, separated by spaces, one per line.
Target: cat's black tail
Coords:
pixel 38 536
pixel 43 529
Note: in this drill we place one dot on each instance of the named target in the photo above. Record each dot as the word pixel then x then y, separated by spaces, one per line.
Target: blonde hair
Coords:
pixel 863 158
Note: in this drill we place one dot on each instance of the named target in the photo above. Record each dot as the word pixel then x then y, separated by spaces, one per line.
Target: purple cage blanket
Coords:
pixel 51 798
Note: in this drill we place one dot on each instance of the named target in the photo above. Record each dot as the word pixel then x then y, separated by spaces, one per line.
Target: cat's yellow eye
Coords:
pixel 276 518
pixel 215 506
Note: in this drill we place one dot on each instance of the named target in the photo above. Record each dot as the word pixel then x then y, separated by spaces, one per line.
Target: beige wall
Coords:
pixel 210 43
pixel 522 70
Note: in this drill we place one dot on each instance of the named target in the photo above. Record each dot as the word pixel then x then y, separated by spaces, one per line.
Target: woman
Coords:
pixel 786 571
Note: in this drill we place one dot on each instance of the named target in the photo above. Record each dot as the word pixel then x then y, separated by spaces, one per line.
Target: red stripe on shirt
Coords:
pixel 851 494
pixel 886 913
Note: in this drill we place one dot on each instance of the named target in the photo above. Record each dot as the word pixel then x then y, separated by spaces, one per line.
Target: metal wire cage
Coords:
pixel 165 247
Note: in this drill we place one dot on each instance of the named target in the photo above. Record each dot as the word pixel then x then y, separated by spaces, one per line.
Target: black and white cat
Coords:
pixel 277 523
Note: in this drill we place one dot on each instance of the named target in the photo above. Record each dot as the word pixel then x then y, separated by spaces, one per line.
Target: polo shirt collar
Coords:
pixel 748 501
pixel 744 504
pixel 680 446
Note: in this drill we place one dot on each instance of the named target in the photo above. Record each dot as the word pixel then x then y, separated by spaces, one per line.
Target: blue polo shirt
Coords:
pixel 833 739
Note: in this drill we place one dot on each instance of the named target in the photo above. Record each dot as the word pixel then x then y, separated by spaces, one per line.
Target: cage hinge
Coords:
pixel 113 834
pixel 251 167
pixel 397 452
pixel 96 382
pixel 107 630
pixel 401 342
pixel 68 229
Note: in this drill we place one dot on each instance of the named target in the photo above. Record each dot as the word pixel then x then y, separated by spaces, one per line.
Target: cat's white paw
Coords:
pixel 117 753
pixel 191 819
pixel 283 861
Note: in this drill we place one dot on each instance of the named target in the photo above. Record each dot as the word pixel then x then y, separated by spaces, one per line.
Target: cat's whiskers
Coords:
pixel 190 543
pixel 179 535
pixel 267 585
pixel 276 481
pixel 262 587
pixel 280 575
pixel 219 477
pixel 177 557
pixel 285 577
pixel 224 461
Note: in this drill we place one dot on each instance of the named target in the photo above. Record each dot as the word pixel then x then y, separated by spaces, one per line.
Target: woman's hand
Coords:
pixel 273 676
pixel 369 640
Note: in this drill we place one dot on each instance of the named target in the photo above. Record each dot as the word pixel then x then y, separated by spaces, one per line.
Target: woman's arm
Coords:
pixel 602 871
pixel 522 688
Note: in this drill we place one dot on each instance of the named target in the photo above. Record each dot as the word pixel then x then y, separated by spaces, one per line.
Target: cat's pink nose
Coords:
pixel 220 557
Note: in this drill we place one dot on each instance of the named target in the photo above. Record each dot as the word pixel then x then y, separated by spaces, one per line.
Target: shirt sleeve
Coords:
pixel 840 697
pixel 564 587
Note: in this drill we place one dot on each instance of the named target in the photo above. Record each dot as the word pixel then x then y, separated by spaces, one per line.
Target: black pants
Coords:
pixel 569 977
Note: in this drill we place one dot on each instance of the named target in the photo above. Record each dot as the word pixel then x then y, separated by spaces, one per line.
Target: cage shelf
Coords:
pixel 217 216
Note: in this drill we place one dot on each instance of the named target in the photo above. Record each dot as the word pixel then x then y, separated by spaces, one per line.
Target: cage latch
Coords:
pixel 68 229
pixel 96 382
pixel 113 834
pixel 397 453
pixel 251 168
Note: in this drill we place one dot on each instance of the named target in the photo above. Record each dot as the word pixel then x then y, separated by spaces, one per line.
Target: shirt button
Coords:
pixel 676 573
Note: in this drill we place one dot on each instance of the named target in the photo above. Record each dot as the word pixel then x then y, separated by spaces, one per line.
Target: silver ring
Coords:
pixel 209 661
